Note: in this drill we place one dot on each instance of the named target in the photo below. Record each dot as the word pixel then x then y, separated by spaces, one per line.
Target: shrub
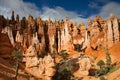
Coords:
pixel 42 54
pixel 16 54
pixel 102 71
pixel 102 78
pixel 65 74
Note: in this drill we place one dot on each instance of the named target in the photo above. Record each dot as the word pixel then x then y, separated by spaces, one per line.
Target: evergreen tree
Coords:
pixel 17 55
pixel 108 59
pixel 101 63
pixel 63 54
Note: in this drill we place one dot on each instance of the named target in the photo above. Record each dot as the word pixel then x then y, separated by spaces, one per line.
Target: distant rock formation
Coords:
pixel 63 34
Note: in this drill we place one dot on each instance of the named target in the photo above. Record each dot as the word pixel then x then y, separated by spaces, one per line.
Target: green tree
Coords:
pixel 63 71
pixel 54 52
pixel 101 63
pixel 17 55
pixel 102 71
pixel 102 78
pixel 64 54
pixel 108 59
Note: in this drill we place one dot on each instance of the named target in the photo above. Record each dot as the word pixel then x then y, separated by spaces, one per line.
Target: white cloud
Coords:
pixel 111 7
pixel 25 8
pixel 59 13
pixel 20 7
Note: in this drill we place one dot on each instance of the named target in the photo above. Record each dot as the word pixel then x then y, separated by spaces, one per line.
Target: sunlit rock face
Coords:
pixel 85 64
pixel 95 30
pixel 113 31
pixel 52 35
pixel 110 33
pixel 19 38
pixel 42 67
pixel 40 32
pixel 103 33
pixel 65 40
pixel 7 30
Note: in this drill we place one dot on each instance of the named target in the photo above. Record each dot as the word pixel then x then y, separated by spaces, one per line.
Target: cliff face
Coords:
pixel 55 36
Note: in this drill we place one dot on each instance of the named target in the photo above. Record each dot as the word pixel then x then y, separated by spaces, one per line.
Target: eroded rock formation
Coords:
pixel 85 64
pixel 40 67
pixel 36 36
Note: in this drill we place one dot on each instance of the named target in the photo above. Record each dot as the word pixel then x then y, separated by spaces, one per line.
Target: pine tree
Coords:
pixel 17 55
pixel 108 59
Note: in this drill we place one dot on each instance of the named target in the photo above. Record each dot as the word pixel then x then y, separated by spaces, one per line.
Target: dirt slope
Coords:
pixel 5 46
pixel 114 53
pixel 7 71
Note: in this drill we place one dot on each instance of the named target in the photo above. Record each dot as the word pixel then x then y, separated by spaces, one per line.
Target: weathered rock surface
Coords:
pixel 85 64
pixel 40 67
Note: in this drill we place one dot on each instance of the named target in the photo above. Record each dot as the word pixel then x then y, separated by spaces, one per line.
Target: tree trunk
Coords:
pixel 17 67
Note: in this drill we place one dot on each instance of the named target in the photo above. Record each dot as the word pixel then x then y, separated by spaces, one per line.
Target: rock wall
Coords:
pixel 113 31
pixel 62 34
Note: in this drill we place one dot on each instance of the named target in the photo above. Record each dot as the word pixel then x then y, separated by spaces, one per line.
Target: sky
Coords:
pixel 76 10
